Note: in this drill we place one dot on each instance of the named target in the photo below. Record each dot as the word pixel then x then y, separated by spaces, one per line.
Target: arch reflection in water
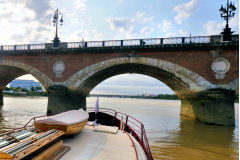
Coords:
pixel 198 141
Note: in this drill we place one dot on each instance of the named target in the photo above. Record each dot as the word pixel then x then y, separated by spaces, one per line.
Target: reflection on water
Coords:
pixel 18 111
pixel 173 138
pixel 195 140
pixel 169 136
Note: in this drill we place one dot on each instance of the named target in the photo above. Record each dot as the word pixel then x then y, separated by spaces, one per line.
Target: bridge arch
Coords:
pixel 200 99
pixel 9 70
pixel 181 80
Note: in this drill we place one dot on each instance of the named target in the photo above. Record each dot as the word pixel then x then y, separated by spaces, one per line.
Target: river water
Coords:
pixel 170 137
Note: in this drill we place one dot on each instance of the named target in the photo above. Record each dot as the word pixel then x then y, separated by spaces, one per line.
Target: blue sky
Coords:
pixel 30 21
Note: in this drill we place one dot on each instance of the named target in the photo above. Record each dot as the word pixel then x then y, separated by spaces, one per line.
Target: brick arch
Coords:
pixel 22 69
pixel 184 78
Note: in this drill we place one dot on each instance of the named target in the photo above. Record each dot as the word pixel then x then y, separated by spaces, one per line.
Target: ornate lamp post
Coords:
pixel 56 15
pixel 226 14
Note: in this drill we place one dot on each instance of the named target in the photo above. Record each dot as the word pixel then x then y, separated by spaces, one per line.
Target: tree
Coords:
pixel 32 89
pixel 18 89
pixel 6 89
pixel 24 90
pixel 38 88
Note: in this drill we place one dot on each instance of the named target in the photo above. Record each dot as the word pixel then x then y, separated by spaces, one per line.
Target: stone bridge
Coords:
pixel 202 71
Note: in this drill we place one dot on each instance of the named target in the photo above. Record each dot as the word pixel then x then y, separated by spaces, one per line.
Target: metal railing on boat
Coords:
pixel 132 126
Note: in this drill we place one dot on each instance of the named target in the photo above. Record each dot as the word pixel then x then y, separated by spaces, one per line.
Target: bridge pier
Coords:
pixel 211 106
pixel 61 100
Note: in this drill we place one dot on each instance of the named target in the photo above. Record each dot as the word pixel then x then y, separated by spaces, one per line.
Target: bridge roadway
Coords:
pixel 202 71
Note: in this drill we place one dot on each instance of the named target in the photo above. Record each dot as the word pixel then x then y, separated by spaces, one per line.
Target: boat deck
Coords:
pixel 91 145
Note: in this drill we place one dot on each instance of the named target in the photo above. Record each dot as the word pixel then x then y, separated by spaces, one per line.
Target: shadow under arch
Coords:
pixel 167 78
pixel 178 78
pixel 9 70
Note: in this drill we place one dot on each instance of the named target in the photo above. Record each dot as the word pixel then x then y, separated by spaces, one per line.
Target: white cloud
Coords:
pixel 120 1
pixel 86 35
pixel 41 8
pixel 131 27
pixel 234 23
pixel 170 35
pixel 183 33
pixel 140 14
pixel 145 31
pixel 184 11
pixel 27 77
pixel 131 84
pixel 165 25
pixel 80 4
pixel 148 19
pixel 25 17
pixel 213 27
pixel 124 25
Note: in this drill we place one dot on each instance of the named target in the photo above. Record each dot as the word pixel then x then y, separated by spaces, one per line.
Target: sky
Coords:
pixel 30 21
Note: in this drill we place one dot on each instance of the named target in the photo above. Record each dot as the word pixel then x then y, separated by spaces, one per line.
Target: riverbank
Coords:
pixel 160 97
pixel 45 94
pixel 147 96
pixel 37 94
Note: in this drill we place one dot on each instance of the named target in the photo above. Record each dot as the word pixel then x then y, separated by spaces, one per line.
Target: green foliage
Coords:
pixel 6 89
pixel 166 96
pixel 18 89
pixel 37 88
pixel 236 99
pixel 24 90
pixel 32 89
pixel 29 92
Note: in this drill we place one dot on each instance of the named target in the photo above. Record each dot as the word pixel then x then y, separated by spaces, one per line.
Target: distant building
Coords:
pixel 16 93
pixel 28 84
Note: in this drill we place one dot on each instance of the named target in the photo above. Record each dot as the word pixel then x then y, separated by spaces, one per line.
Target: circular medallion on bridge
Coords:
pixel 220 66
pixel 58 68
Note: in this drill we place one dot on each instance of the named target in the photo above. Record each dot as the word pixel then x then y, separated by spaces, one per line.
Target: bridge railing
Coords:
pixel 22 47
pixel 138 42
pixel 117 43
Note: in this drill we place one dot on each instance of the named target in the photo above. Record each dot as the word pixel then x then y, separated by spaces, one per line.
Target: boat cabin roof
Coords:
pixel 65 118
